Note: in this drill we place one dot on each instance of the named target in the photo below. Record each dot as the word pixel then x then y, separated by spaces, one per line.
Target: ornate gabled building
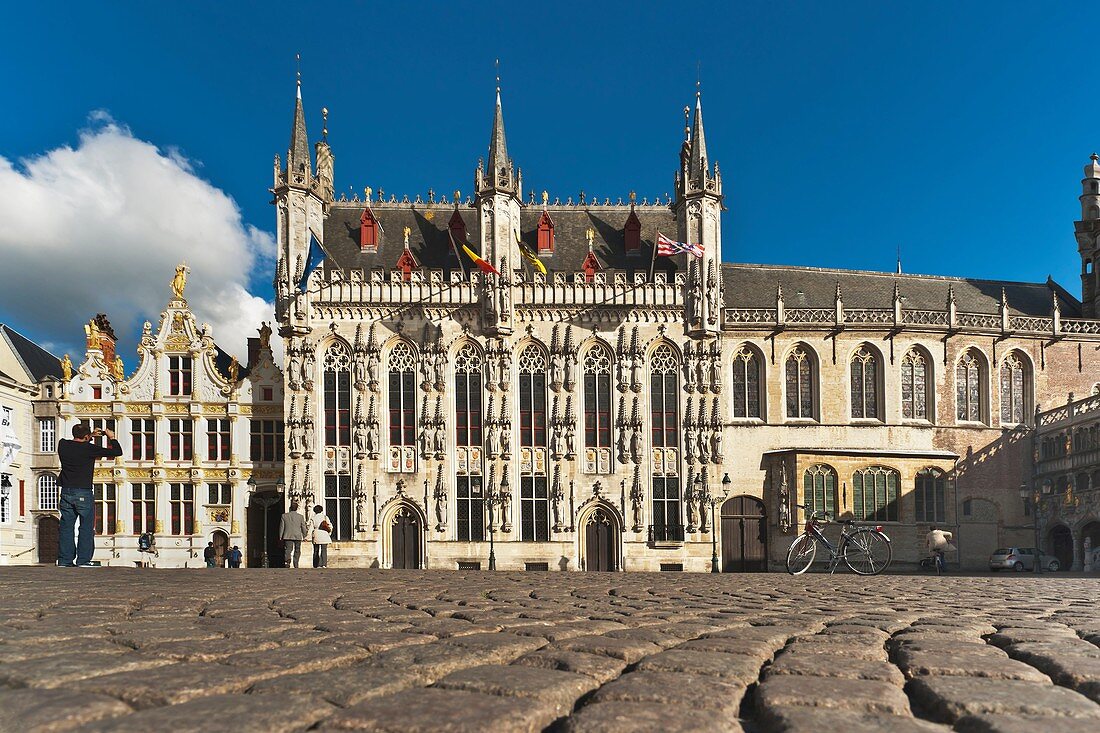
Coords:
pixel 200 433
pixel 626 409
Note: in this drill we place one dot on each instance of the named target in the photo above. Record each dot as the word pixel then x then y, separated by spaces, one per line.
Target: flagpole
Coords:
pixel 653 259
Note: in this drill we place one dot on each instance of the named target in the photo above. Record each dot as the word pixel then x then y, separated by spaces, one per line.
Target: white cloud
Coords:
pixel 99 227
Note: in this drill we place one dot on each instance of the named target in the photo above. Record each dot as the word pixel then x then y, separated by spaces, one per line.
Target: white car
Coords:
pixel 1021 559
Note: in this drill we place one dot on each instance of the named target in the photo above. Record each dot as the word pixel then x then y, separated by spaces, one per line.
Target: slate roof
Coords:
pixel 431 246
pixel 38 362
pixel 222 359
pixel 754 286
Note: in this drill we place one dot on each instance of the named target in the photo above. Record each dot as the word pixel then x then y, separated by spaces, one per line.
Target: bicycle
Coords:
pixel 865 550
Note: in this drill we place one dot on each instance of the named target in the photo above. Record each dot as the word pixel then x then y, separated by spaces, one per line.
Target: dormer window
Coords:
pixel 405 264
pixel 368 230
pixel 632 234
pixel 546 234
pixel 457 227
pixel 591 266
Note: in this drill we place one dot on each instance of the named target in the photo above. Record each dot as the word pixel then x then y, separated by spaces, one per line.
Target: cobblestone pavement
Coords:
pixel 277 650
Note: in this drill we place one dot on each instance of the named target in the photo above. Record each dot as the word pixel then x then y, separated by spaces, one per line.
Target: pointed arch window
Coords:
pixel 864 392
pixel 470 499
pixel 930 495
pixel 402 403
pixel 664 418
pixel 337 387
pixel 969 388
pixel 597 410
pixel 875 494
pixel 746 384
pixel 819 489
pixel 800 384
pixel 534 493
pixel 1014 381
pixel 914 386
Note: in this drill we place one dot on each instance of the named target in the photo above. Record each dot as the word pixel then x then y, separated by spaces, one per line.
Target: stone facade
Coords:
pixel 192 422
pixel 596 415
pixel 1065 484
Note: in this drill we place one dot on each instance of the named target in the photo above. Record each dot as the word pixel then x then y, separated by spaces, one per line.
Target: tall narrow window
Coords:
pixel 819 489
pixel 99 423
pixel 929 496
pixel 402 395
pixel 220 494
pixel 746 384
pixel 875 494
pixel 182 501
pixel 47 435
pixel 179 375
pixel 800 389
pixel 534 495
pixel 470 499
pixel 337 365
pixel 267 440
pixel 914 386
pixel 144 504
pixel 218 439
pixel 106 508
pixel 143 444
pixel 968 388
pixel 597 410
pixel 1013 383
pixel 664 420
pixel 48 492
pixel 338 505
pixel 180 432
pixel 864 368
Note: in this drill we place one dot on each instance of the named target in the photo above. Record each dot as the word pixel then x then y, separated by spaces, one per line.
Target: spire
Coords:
pixel 298 162
pixel 698 170
pixel 499 173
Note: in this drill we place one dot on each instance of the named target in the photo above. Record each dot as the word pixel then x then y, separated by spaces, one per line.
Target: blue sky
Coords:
pixel 844 130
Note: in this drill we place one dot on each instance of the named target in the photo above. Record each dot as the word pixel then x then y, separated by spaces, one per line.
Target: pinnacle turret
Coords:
pixel 697 167
pixel 298 160
pixel 499 174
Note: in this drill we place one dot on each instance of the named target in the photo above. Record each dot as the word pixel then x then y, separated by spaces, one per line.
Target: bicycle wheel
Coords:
pixel 867 552
pixel 801 555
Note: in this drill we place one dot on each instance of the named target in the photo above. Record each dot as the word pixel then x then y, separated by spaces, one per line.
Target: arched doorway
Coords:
pixel 405 539
pixel 601 542
pixel 221 547
pixel 1061 544
pixel 744 535
pixel 49 529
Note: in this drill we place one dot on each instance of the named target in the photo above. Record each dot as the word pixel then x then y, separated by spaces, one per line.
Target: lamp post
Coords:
pixel 1032 498
pixel 494 498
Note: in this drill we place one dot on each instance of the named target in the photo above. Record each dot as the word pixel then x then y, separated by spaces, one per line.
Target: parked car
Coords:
pixel 1021 559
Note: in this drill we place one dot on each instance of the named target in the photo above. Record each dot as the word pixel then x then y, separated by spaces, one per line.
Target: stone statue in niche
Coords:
pixel 557 369
pixel 294 364
pixel 506 439
pixel 693 513
pixel 307 435
pixel 360 369
pixel 308 360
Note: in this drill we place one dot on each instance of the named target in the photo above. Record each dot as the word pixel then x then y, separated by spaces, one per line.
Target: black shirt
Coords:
pixel 78 461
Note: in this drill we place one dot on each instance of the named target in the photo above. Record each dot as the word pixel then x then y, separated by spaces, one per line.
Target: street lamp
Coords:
pixel 1033 497
pixel 495 498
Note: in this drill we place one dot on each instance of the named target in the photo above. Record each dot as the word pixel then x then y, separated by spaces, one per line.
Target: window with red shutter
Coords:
pixel 368 230
pixel 546 234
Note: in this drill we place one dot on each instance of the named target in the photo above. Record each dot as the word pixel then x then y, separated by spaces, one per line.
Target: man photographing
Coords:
pixel 78 457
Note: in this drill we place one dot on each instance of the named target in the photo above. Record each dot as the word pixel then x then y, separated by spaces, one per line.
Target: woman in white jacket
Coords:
pixel 322 536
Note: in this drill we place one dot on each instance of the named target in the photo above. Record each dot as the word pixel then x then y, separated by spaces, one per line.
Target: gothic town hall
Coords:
pixel 624 410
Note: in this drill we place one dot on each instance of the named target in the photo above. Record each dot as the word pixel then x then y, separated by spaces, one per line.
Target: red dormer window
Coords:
pixel 591 266
pixel 368 230
pixel 632 234
pixel 546 234
pixel 457 226
pixel 406 263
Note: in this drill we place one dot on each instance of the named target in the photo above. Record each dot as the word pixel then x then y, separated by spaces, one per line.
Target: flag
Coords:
pixel 313 260
pixel 667 248
pixel 529 255
pixel 482 264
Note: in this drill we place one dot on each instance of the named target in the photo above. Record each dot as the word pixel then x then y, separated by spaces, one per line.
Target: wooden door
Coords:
pixel 405 539
pixel 221 547
pixel 49 529
pixel 601 543
pixel 744 535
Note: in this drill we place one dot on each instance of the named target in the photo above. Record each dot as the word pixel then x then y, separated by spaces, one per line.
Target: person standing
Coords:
pixel 322 536
pixel 292 530
pixel 78 457
pixel 210 555
pixel 235 557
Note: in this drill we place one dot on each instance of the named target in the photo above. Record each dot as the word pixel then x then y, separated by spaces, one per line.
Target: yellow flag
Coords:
pixel 529 255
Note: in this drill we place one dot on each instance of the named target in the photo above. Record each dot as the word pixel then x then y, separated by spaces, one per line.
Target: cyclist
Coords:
pixel 938 541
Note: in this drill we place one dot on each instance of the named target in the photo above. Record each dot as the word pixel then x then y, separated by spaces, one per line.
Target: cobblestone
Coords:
pixel 272 651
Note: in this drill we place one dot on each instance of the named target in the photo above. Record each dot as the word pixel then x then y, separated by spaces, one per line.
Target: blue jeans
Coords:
pixel 76 503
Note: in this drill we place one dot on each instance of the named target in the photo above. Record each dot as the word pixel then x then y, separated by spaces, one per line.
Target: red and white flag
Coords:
pixel 668 248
